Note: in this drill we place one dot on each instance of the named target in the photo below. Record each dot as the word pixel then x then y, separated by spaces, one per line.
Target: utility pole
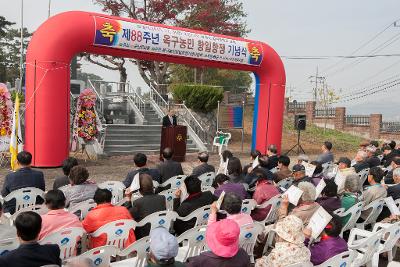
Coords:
pixel 289 90
pixel 316 80
pixel 48 13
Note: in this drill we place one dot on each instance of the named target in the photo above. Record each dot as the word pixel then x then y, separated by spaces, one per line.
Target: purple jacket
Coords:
pixel 236 188
pixel 326 249
pixel 330 204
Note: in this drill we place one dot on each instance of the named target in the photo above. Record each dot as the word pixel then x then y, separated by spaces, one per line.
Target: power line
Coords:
pixel 365 90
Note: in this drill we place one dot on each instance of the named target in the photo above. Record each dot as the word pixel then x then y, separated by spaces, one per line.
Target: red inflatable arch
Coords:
pixel 60 38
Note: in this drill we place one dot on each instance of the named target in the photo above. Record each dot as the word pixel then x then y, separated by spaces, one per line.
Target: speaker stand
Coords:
pixel 298 146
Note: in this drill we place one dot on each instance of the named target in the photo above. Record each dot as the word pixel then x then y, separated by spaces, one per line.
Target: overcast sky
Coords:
pixel 293 28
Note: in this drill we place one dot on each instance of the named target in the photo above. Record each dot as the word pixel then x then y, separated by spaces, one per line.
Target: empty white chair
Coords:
pixel 24 197
pixel 66 239
pixel 248 205
pixel 39 209
pixel 342 259
pixel 201 214
pixel 82 208
pixel 117 232
pixel 100 256
pixel 8 245
pixel 375 208
pixel 397 202
pixel 141 247
pixel 193 243
pixel 272 215
pixel 157 219
pixel 394 264
pixel 248 237
pixel 365 248
pixel 205 188
pixel 207 178
pixel 117 190
pixel 175 181
pixel 354 211
pixel 390 236
pixel 169 198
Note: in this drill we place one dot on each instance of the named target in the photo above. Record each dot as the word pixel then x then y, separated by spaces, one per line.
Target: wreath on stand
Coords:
pixel 6 107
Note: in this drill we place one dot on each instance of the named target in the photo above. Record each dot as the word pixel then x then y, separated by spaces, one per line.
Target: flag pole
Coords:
pixel 21 62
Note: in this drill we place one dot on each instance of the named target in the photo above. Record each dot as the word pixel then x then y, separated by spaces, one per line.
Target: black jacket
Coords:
pixel 361 166
pixel 304 179
pixel 32 255
pixel 154 173
pixel 24 177
pixel 143 207
pixel 373 161
pixel 60 181
pixel 394 191
pixel 272 162
pixel 166 121
pixel 202 169
pixel 168 169
pixel 187 206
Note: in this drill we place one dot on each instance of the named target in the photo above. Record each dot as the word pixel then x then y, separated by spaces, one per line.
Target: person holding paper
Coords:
pixel 272 153
pixel 289 247
pixel 284 171
pixel 299 174
pixel 329 199
pixel 232 204
pixel 330 245
pixel 394 165
pixel 318 174
pixel 235 170
pixel 253 155
pixel 222 183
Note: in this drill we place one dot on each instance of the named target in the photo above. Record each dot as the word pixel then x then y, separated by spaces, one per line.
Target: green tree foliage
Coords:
pixel 200 98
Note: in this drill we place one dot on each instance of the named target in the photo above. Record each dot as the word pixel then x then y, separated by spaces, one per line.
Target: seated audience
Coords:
pixel 327 155
pixel 6 231
pixel 272 152
pixel 105 213
pixel 265 190
pixel 329 199
pixel 395 164
pixel 372 159
pixel 388 155
pixel 146 205
pixel 317 174
pixel 169 168
pixel 81 188
pixel 232 204
pixel 195 200
pixel 306 206
pixel 351 194
pixel 284 171
pixel 25 176
pixel 302 158
pixel 224 157
pixel 330 245
pixel 373 192
pixel 251 177
pixel 299 174
pixel 360 161
pixel 392 191
pixel 222 239
pixel 289 247
pixel 223 183
pixel 140 161
pixel 57 218
pixel 204 167
pixel 344 163
pixel 235 170
pixel 67 165
pixel 30 253
pixel 163 249
pixel 253 155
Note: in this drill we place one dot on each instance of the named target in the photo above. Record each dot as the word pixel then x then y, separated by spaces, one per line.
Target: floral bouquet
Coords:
pixel 86 120
pixel 5 111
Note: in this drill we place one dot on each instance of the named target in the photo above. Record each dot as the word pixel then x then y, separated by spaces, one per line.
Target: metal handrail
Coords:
pixel 99 98
pixel 157 98
pixel 191 115
pixel 136 101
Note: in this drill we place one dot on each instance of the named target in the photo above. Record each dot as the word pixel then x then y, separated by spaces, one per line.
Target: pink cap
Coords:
pixel 223 238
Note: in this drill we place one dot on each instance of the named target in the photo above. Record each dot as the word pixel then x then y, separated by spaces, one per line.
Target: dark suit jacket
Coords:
pixel 202 169
pixel 168 169
pixel 24 177
pixel 272 162
pixel 361 166
pixel 373 161
pixel 394 191
pixel 32 255
pixel 154 173
pixel 187 206
pixel 166 122
pixel 143 207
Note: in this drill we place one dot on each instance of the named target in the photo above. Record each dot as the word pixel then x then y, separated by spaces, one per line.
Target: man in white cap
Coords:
pixel 163 249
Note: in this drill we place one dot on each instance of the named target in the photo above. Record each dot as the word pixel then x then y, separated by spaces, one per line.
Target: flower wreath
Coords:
pixel 86 120
pixel 5 111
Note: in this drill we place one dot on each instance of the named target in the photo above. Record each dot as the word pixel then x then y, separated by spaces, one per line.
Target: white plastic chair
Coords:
pixel 100 256
pixel 301 264
pixel 248 205
pixel 24 197
pixel 217 142
pixel 248 237
pixel 169 198
pixel 117 232
pixel 205 188
pixel 342 259
pixel 274 203
pixel 8 245
pixel 82 208
pixel 201 214
pixel 390 236
pixel 39 209
pixel 207 178
pixel 397 202
pixel 66 239
pixel 175 181
pixel 363 174
pixel 285 183
pixel 355 213
pixel 375 208
pixel 365 248
pixel 117 190
pixel 193 241
pixel 141 247
pixel 394 264
pixel 157 219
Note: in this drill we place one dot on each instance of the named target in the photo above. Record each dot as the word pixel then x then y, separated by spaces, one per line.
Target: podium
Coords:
pixel 174 137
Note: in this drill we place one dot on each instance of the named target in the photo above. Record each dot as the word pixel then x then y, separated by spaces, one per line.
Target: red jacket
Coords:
pixel 265 190
pixel 101 215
